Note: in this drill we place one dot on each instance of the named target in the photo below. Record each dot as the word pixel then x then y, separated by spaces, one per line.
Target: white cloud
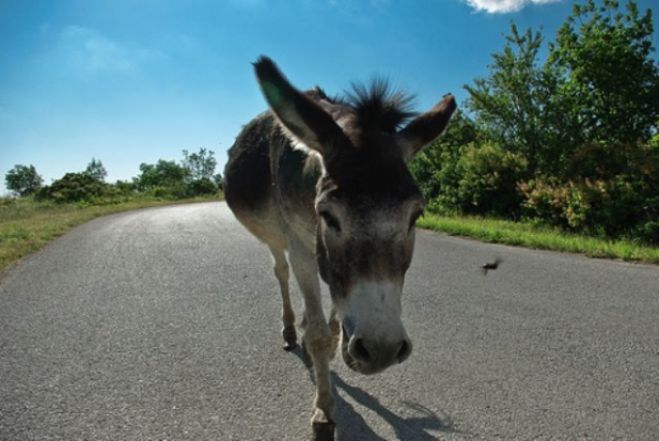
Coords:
pixel 88 50
pixel 504 6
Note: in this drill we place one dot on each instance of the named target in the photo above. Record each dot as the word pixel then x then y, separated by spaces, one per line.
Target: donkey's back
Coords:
pixel 248 180
pixel 269 184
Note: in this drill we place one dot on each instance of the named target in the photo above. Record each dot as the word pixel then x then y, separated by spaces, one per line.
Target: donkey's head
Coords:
pixel 367 204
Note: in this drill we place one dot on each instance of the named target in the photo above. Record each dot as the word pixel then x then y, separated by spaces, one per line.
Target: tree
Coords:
pixel 517 106
pixel 162 174
pixel 200 165
pixel 96 170
pixel 23 180
pixel 605 59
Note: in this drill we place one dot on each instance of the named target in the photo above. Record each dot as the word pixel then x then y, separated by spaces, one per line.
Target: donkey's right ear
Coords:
pixel 422 130
pixel 302 118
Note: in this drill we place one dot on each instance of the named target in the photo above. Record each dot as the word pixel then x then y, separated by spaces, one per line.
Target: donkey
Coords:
pixel 325 180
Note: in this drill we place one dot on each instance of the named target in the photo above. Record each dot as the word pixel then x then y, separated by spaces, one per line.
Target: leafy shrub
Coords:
pixel 168 192
pixel 73 187
pixel 614 207
pixel 124 187
pixel 544 198
pixel 488 180
pixel 648 231
pixel 202 186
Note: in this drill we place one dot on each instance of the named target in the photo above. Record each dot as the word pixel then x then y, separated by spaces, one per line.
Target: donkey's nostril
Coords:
pixel 359 351
pixel 404 351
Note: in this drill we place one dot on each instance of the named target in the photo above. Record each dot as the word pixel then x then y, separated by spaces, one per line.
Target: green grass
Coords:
pixel 26 225
pixel 536 236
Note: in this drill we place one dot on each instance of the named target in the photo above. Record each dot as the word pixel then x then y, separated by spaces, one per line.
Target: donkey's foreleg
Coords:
pixel 318 339
pixel 287 314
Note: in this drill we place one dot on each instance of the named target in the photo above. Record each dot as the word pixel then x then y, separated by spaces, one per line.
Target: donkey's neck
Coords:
pixel 295 174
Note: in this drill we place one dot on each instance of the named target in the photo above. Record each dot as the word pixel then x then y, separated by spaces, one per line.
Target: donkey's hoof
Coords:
pixel 290 337
pixel 323 427
pixel 323 431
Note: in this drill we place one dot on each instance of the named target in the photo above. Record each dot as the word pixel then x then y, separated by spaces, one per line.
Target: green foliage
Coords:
pixel 200 165
pixel 488 180
pixel 73 187
pixel 167 179
pixel 201 168
pixel 125 187
pixel 202 186
pixel 96 170
pixel 604 57
pixel 616 207
pixel 517 105
pixel 163 180
pixel 178 191
pixel 23 180
pixel 162 174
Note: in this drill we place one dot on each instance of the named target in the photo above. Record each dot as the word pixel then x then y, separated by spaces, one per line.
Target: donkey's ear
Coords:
pixel 423 129
pixel 305 120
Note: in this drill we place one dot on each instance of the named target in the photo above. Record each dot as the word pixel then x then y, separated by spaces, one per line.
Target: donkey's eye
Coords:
pixel 414 218
pixel 330 221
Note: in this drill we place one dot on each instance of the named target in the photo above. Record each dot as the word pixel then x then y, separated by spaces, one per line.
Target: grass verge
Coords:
pixel 536 236
pixel 26 225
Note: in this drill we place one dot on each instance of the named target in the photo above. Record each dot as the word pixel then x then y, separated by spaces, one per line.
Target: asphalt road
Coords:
pixel 163 324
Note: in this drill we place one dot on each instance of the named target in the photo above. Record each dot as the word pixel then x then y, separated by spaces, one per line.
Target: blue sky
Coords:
pixel 129 81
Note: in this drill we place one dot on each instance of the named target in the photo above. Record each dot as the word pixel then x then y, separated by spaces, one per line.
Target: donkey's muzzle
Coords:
pixel 369 356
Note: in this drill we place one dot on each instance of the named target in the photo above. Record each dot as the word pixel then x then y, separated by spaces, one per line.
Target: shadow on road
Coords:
pixel 350 425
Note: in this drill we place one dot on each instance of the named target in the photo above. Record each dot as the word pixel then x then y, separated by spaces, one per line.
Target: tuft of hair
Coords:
pixel 378 106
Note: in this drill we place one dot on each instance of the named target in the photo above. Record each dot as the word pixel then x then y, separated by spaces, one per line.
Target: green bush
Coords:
pixel 488 180
pixel 201 187
pixel 125 188
pixel 179 191
pixel 648 231
pixel 612 208
pixel 73 187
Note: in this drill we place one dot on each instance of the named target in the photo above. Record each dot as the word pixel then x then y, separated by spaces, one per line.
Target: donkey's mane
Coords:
pixel 376 105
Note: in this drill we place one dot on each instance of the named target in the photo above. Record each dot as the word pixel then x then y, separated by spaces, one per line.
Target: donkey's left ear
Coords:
pixel 423 129
pixel 305 120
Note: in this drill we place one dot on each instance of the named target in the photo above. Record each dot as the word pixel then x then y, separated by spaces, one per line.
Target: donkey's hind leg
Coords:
pixel 287 314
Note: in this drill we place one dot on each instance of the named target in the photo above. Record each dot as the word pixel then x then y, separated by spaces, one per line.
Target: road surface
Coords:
pixel 163 324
